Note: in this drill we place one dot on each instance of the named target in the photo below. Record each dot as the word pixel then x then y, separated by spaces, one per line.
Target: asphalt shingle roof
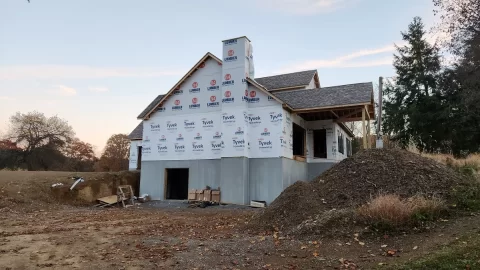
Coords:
pixel 150 106
pixel 137 133
pixel 328 96
pixel 287 80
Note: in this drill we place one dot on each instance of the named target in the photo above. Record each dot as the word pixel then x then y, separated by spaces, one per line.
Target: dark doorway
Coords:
pixel 176 184
pixel 320 143
pixel 139 158
pixel 298 140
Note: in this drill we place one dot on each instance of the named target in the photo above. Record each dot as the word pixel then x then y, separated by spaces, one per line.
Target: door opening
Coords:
pixel 176 184
pixel 320 143
pixel 139 158
pixel 299 136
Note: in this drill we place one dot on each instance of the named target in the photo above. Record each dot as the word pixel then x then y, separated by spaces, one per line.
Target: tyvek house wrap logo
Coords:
pixel 213 102
pixel 146 150
pixel 231 56
pixel 228 119
pixel 253 120
pixel 265 145
pixel 189 125
pixel 276 118
pixel 216 147
pixel 197 148
pixel 162 149
pixel 195 104
pixel 171 126
pixel 228 80
pixel 177 106
pixel 213 86
pixel 238 144
pixel 179 148
pixel 207 123
pixel 195 88
pixel 154 127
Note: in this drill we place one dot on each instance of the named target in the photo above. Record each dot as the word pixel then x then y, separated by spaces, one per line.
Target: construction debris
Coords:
pixel 77 180
pixel 204 195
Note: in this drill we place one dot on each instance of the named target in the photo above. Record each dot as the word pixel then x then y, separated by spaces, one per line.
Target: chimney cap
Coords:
pixel 238 38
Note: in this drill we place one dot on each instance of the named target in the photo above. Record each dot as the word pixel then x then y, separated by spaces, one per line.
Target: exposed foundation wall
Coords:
pixel 201 173
pixel 265 179
pixel 315 169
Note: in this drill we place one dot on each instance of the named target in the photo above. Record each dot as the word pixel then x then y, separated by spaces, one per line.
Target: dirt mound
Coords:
pixel 353 182
pixel 31 191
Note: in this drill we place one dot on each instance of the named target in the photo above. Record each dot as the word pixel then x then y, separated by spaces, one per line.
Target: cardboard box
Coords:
pixel 207 195
pixel 215 195
pixel 199 195
pixel 192 195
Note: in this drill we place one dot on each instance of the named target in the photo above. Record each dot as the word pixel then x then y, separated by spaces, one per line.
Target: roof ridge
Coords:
pixel 286 74
pixel 343 85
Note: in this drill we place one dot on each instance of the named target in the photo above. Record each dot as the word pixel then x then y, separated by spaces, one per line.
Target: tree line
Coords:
pixel 35 142
pixel 433 106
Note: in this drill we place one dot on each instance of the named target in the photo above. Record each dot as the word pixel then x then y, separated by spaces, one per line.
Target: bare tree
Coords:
pixel 40 137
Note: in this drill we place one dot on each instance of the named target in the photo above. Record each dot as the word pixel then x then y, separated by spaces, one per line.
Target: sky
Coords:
pixel 98 64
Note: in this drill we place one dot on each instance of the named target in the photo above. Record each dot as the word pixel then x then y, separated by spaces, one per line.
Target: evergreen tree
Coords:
pixel 413 106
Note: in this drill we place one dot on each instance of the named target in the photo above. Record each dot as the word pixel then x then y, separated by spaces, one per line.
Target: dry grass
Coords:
pixel 392 211
pixel 471 160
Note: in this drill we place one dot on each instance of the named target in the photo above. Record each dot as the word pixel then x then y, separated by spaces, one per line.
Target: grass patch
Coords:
pixel 390 212
pixel 461 254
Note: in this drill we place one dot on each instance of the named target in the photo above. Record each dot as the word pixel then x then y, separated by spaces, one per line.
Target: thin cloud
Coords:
pixel 62 90
pixel 306 7
pixel 77 72
pixel 6 98
pixel 98 89
pixel 347 61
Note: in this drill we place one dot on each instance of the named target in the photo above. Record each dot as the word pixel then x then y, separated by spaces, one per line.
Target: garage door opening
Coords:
pixel 176 184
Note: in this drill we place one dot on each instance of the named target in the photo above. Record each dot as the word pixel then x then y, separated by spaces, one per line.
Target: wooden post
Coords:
pixel 364 131
pixel 369 141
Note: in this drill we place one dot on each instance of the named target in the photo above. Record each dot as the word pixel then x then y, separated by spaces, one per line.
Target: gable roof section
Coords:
pixel 189 73
pixel 263 89
pixel 150 106
pixel 137 133
pixel 301 78
pixel 335 96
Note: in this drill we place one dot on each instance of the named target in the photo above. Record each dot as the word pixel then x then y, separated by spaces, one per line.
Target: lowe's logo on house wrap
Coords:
pixel 195 104
pixel 239 131
pixel 180 137
pixel 231 56
pixel 179 148
pixel 230 42
pixel 198 137
pixel 189 125
pixel 177 106
pixel 228 80
pixel 161 109
pixel 251 97
pixel 213 102
pixel 228 97
pixel 217 135
pixel 238 143
pixel 213 86
pixel 195 88
pixel 162 139
pixel 265 132
pixel 178 92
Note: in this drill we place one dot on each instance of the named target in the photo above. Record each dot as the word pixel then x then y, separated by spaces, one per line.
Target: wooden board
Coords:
pixel 109 199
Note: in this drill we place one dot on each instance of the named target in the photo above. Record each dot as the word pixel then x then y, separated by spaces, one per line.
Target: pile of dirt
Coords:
pixel 353 182
pixel 32 191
